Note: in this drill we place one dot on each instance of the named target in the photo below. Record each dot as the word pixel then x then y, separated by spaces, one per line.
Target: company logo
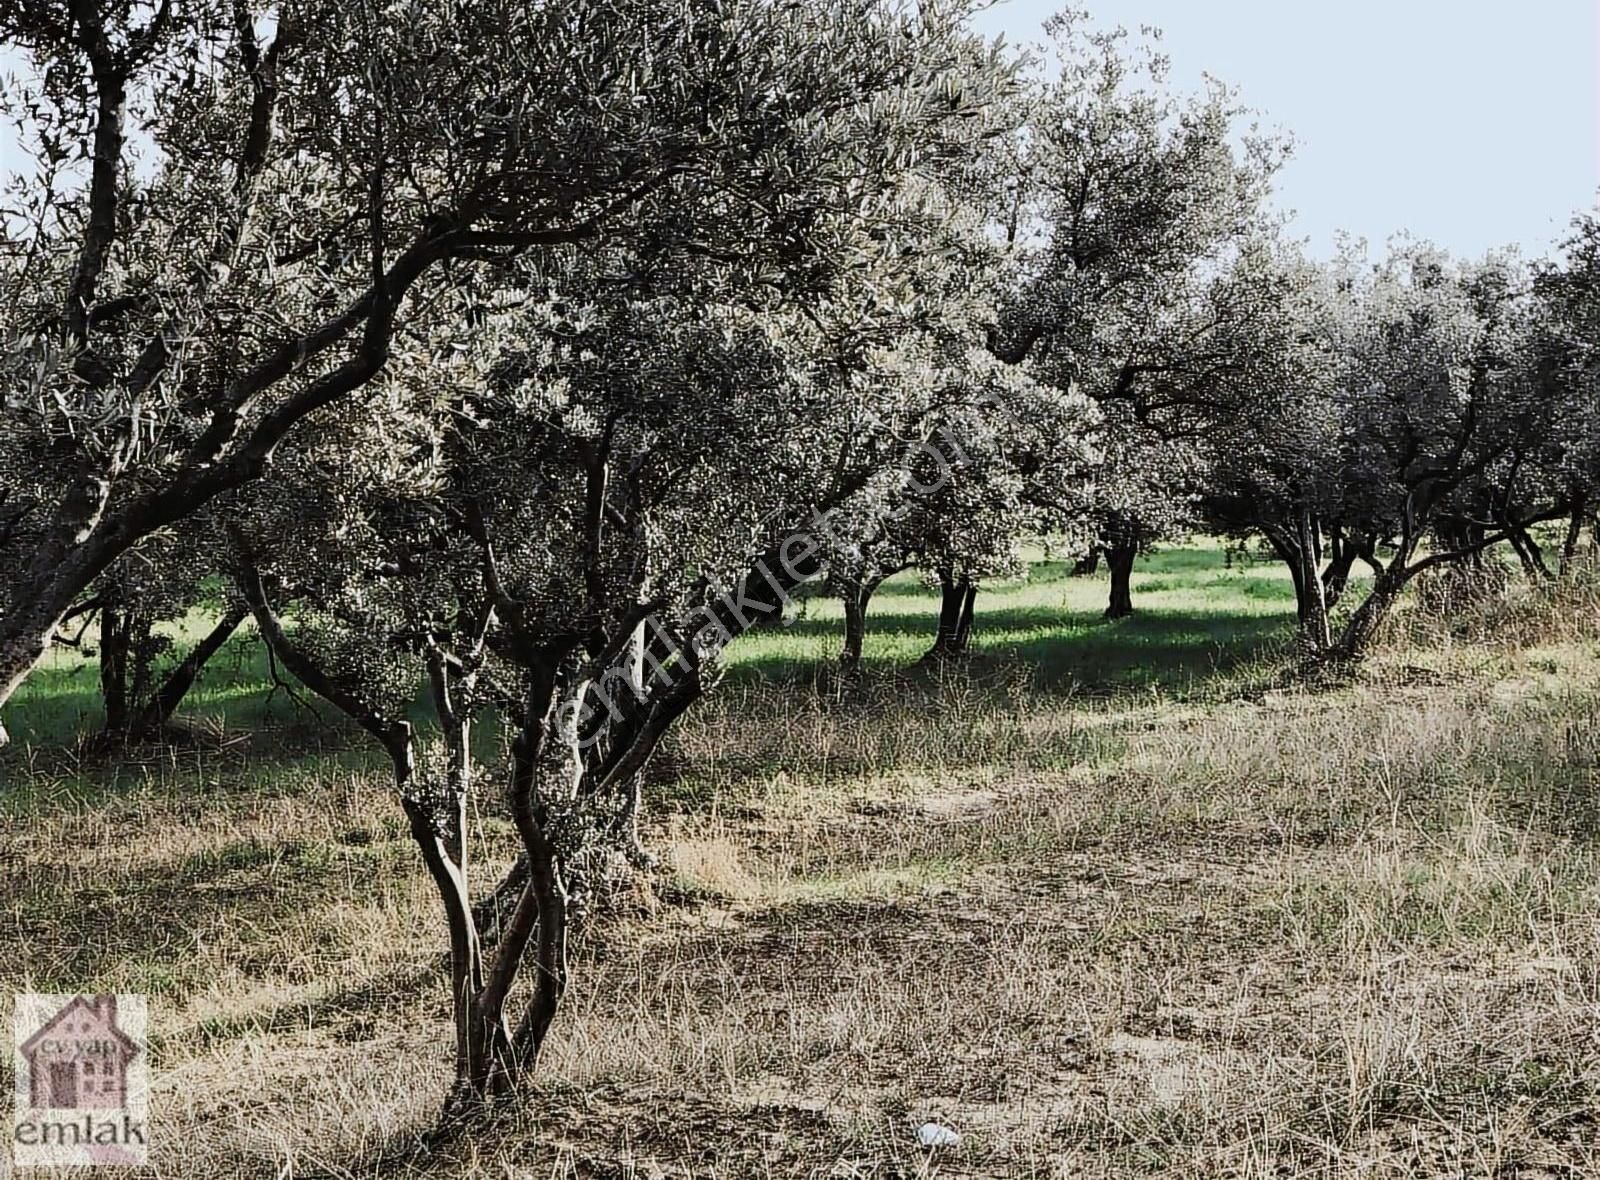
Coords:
pixel 83 1088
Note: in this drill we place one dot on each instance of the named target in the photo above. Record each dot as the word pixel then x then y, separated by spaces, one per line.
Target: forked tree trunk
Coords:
pixel 491 1058
pixel 1297 548
pixel 1315 634
pixel 497 1058
pixel 487 1061
pixel 1528 552
pixel 1356 636
pixel 548 890
pixel 1120 558
pixel 482 1040
pixel 1336 578
pixel 159 707
pixel 956 598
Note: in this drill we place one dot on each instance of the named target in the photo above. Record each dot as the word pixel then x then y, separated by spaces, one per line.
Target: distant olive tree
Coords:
pixel 1567 348
pixel 961 513
pixel 139 602
pixel 1392 424
pixel 1143 491
pixel 1127 201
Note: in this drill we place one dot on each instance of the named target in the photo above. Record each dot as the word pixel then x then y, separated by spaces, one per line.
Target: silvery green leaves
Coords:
pixel 275 213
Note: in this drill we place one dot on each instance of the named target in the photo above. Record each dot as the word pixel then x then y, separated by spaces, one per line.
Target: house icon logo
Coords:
pixel 82 1084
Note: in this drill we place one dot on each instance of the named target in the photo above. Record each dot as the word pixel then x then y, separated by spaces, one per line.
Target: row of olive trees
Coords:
pixel 1410 416
pixel 1367 422
pixel 535 353
pixel 1359 419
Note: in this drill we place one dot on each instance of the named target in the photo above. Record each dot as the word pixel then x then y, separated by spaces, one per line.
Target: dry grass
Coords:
pixel 1101 934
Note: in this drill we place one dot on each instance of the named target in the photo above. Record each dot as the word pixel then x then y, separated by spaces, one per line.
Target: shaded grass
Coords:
pixel 62 697
pixel 1202 616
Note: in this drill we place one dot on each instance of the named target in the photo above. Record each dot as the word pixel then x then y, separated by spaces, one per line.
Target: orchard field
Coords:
pixel 527 633
pixel 1108 898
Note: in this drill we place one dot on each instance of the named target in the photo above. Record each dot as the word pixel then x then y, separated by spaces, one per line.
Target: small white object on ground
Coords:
pixel 934 1135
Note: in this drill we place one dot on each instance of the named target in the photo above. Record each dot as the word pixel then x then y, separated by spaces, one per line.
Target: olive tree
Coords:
pixel 1128 200
pixel 599 533
pixel 631 458
pixel 179 300
pixel 1275 436
pixel 960 511
pixel 1568 362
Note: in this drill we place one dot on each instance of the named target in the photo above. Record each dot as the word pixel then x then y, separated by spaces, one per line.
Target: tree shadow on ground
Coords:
pixel 1201 622
pixel 1060 652
pixel 913 585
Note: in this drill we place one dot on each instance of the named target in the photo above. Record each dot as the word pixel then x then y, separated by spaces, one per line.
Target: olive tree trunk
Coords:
pixel 136 708
pixel 957 597
pixel 160 706
pixel 1355 638
pixel 1119 559
pixel 857 597
pixel 1574 535
pixel 116 654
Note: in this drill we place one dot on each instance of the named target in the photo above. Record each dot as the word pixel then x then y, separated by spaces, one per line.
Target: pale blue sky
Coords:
pixel 1468 122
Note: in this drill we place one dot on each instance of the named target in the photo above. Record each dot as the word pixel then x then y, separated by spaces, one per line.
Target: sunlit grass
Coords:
pixel 1198 614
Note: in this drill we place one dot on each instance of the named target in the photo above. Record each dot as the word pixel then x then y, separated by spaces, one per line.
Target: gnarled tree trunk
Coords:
pixel 1313 605
pixel 487 1061
pixel 1298 546
pixel 1574 535
pixel 1528 551
pixel 1341 560
pixel 1356 636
